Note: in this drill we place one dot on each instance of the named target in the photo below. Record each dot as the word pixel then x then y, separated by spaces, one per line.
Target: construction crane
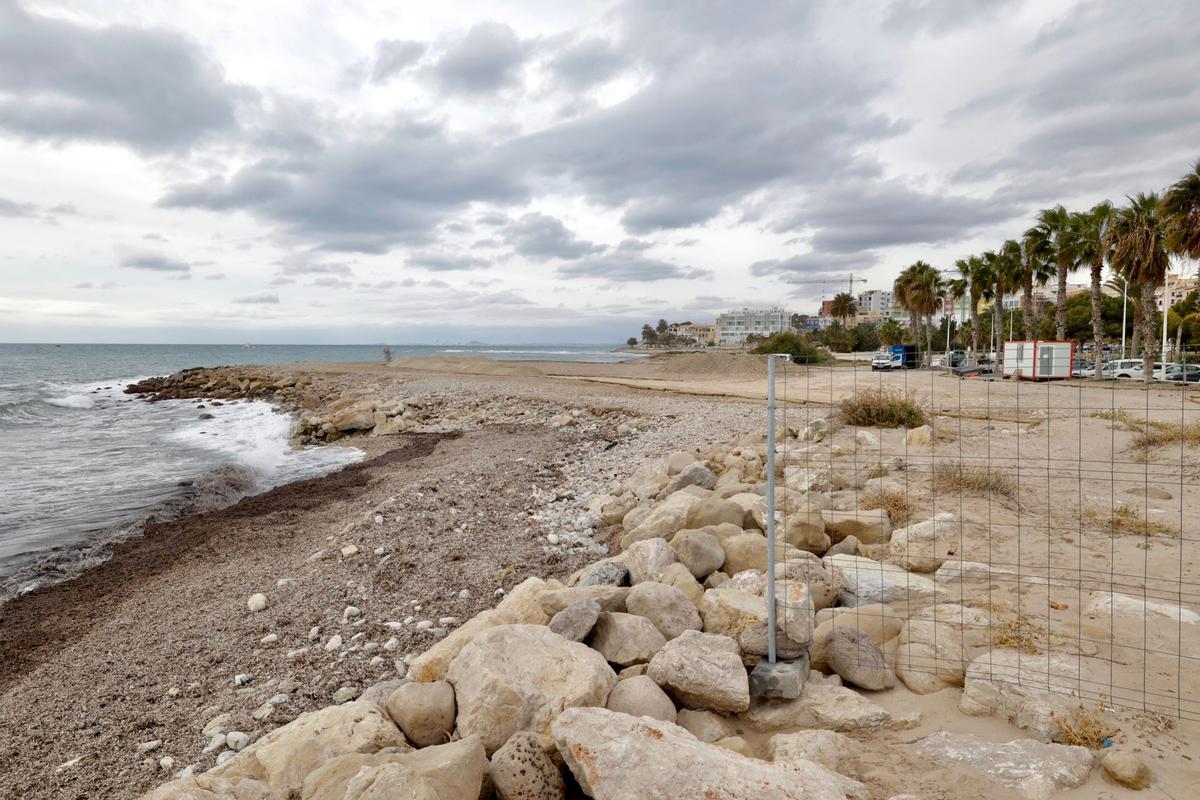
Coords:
pixel 826 281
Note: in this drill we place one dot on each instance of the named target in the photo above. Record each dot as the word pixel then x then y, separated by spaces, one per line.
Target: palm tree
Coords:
pixel 1054 225
pixel 1137 241
pixel 1004 269
pixel 1088 231
pixel 1035 269
pixel 891 332
pixel 1180 211
pixel 972 282
pixel 920 291
pixel 843 306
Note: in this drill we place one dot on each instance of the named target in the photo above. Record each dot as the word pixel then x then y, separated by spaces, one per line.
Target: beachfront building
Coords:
pixel 1179 287
pixel 705 333
pixel 734 326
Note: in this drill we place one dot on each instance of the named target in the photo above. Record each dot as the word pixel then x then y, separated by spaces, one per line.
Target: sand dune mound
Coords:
pixel 469 365
pixel 692 365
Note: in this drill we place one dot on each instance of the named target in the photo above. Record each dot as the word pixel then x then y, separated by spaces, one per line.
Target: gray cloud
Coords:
pixel 486 59
pixel 11 208
pixel 215 276
pixel 152 90
pixel 393 56
pixel 542 237
pixel 813 266
pixel 941 16
pixel 263 298
pixel 447 262
pixel 155 262
pixel 587 62
pixel 308 268
pixel 625 266
pixel 330 282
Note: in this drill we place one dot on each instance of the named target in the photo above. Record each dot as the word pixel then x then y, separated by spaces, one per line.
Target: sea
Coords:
pixel 83 465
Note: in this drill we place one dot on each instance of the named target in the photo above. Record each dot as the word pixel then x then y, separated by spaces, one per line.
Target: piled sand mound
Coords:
pixel 691 365
pixel 470 365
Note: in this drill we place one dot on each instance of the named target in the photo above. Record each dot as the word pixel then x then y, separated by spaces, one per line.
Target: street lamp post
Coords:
pixel 1124 305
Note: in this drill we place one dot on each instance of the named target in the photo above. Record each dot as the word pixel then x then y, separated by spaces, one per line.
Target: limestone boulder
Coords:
pixel 924 546
pixel 647 559
pixel 648 479
pixel 940 642
pixel 678 461
pixel 692 475
pixel 730 612
pixel 614 509
pixel 442 772
pixel 715 511
pixel 680 577
pixel 702 671
pixel 878 621
pixel 868 526
pixel 635 516
pixel 664 520
pixel 619 757
pixel 866 581
pixel 821 705
pixel 424 711
pixel 921 436
pixel 639 696
pixel 804 529
pixel 699 551
pixel 794 611
pixel 1034 770
pixel 575 622
pixel 1126 768
pixel 626 639
pixel 856 657
pixel 749 551
pixel 358 417
pixel 607 596
pixel 1028 689
pixel 704 725
pixel 827 748
pixel 523 770
pixel 519 678
pixel 808 569
pixel 668 608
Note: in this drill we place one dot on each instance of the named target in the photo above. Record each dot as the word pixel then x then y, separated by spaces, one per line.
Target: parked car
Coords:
pixel 1128 368
pixel 887 361
pixel 1178 373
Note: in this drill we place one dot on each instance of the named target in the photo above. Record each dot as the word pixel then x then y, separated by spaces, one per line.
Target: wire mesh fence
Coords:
pixel 1011 535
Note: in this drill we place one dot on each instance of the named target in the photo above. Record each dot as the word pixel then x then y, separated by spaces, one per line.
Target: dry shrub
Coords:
pixel 1021 633
pixel 897 506
pixel 954 477
pixel 1126 520
pixel 1084 728
pixel 882 408
pixel 877 471
pixel 1151 433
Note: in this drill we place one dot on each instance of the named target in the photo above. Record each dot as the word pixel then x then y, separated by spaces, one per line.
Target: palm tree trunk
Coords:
pixel 1098 318
pixel 975 326
pixel 1060 308
pixel 929 336
pixel 998 322
pixel 1148 327
pixel 1178 340
pixel 1027 306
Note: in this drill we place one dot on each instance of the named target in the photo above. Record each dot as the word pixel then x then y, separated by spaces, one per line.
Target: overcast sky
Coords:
pixel 540 171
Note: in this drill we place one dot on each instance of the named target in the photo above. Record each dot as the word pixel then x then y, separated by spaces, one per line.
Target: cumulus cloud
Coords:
pixel 587 62
pixel 263 298
pixel 941 16
pixel 393 56
pixel 153 90
pixel 447 262
pixel 627 266
pixel 542 237
pixel 484 60
pixel 155 262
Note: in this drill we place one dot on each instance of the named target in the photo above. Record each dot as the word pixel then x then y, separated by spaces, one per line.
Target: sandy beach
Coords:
pixel 496 480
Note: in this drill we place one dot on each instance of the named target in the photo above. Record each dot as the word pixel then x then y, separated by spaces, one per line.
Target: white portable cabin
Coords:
pixel 1038 360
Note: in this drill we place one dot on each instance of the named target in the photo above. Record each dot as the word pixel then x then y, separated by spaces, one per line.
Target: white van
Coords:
pixel 1126 368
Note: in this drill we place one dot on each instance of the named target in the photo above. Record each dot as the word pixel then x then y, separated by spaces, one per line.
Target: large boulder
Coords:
pixel 827 748
pixel 715 511
pixel 619 757
pixel 668 608
pixel 520 677
pixel 285 756
pixel 704 725
pixel 749 551
pixel 834 708
pixel 702 671
pixel 808 569
pixel 679 577
pixel 444 772
pixel 647 559
pixel 699 551
pixel 1033 769
pixel 648 479
pixel 664 519
pixel 692 475
pixel 639 696
pixel 358 417
pixel 858 660
pixel 626 639
pixel 424 711
pixel 607 596
pixel 730 612
pixel 869 527
pixel 1027 689
pixel 523 770
pixel 923 546
pixel 878 621
pixel 938 643
pixel 576 621
pixel 865 580
pixel 804 529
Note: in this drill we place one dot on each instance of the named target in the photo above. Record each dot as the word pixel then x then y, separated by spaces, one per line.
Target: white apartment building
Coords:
pixel 875 301
pixel 1180 288
pixel 734 326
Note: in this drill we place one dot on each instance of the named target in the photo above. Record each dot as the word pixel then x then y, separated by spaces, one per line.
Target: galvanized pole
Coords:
pixel 771 508
pixel 1124 306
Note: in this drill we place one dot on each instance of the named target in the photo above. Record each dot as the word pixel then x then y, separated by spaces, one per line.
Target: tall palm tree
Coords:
pixel 1137 240
pixel 1180 211
pixel 922 292
pixel 843 306
pixel 1004 269
pixel 1037 255
pixel 903 291
pixel 972 282
pixel 1088 231
pixel 891 332
pixel 1054 225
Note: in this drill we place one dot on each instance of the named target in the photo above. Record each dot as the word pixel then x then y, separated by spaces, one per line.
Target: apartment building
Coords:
pixel 734 326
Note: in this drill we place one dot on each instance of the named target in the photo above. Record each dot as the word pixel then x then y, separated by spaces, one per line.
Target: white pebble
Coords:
pixel 498 593
pixel 391 644
pixel 380 551
pixel 465 594
pixel 351 612
pixel 409 620
pixel 149 747
pixel 448 621
pixel 379 519
pixel 349 550
pixel 225 756
pixel 270 638
pixel 279 699
pixel 552 538
pixel 242 678
pixel 279 584
pixel 257 602
pixel 424 625
pixel 166 763
pixel 375 661
pixel 236 740
pixel 314 633
pixel 297 653
pixel 215 743
pixel 334 643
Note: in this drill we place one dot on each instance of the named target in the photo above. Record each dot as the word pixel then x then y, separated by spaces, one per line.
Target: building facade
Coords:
pixel 703 333
pixel 875 302
pixel 734 326
pixel 1179 287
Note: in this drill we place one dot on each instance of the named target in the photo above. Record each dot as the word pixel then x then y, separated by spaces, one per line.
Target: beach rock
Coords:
pixel 284 757
pixel 257 602
pixel 619 757
pixel 869 527
pixel 700 552
pixel 1033 769
pixel 678 576
pixel 693 475
pixel 805 529
pixel 647 559
pixel 715 511
pixel 715 581
pixel 626 639
pixel 358 417
pixel 729 612
pixel 576 621
pixel 668 608
pixel 520 606
pixel 754 509
pixel 424 711
pixel 808 569
pixel 635 517
pixel 702 671
pixel 923 547
pixel 736 744
pixel 938 644
pixel 522 770
pixel 794 611
pixel 867 581
pixel 827 748
pixel 848 546
pixel 751 581
pixel 919 437
pixel 639 696
pixel 877 621
pixel 614 509
pixel 858 660
pixel 749 551
pixel 1126 768
pixel 608 573
pixel 1028 689
pixel 376 694
pixel 704 725
pixel 820 706
pixel 663 521
pixel 678 461
pixel 520 677
pixel 443 772
pixel 649 479
pixel 610 598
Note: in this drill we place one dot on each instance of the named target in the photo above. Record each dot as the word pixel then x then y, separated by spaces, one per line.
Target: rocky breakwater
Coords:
pixel 631 678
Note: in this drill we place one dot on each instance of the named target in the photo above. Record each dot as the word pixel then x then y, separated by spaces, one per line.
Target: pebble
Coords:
pixel 345 694
pixel 174 691
pixel 409 620
pixel 379 519
pixel 440 633
pixel 380 551
pixel 552 538
pixel 401 667
pixel 270 638
pixel 242 678
pixel 465 594
pixel 424 625
pixel 279 584
pixel 448 621
pixel 149 747
pixel 314 633
pixel 166 763
pixel 349 551
pixel 236 740
pixel 297 653
pixel 376 661
pixel 215 742
pixel 499 593
pixel 351 612
pixel 68 764
pixel 257 602
pixel 358 637
pixel 279 699
pixel 334 643
pixel 225 756
pixel 391 644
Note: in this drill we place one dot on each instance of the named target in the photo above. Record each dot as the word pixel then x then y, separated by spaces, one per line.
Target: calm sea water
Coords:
pixel 84 464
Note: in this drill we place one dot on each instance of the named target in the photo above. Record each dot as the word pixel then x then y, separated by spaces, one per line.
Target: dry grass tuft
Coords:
pixel 882 408
pixel 1021 633
pixel 897 506
pixel 952 477
pixel 1084 728
pixel 877 471
pixel 1148 434
pixel 1126 520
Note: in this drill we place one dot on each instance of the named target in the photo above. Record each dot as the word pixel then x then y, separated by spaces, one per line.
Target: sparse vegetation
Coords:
pixel 1148 433
pixel 387 355
pixel 882 408
pixel 1127 520
pixel 896 504
pixel 795 345
pixel 954 477
pixel 877 471
pixel 1085 728
pixel 1019 632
